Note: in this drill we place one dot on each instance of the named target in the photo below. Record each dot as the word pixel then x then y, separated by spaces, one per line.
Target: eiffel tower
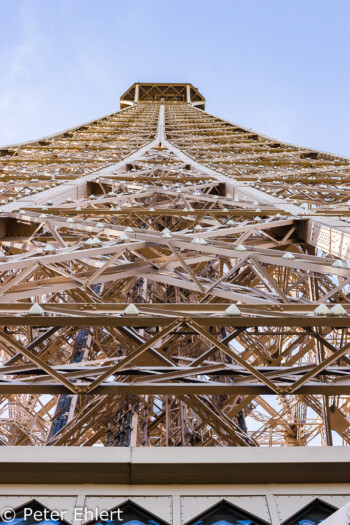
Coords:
pixel 171 279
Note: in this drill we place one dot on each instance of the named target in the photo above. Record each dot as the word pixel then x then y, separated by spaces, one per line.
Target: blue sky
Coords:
pixel 280 67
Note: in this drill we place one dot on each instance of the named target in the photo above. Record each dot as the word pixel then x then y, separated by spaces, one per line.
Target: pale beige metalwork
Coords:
pixel 168 278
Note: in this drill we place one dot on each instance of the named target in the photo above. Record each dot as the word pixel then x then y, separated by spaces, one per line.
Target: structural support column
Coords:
pixel 188 94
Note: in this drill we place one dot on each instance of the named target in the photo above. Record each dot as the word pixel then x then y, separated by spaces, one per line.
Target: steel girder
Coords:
pixel 127 242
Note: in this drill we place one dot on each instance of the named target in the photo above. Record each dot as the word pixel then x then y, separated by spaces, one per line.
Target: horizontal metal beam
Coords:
pixel 140 321
pixel 173 389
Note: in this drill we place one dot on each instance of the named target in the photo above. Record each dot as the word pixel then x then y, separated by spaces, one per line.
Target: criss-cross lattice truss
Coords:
pixel 168 278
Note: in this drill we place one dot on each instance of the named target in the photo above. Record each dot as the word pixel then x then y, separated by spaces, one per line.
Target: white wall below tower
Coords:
pixel 177 485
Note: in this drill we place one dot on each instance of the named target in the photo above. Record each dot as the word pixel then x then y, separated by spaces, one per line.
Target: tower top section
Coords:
pixel 155 92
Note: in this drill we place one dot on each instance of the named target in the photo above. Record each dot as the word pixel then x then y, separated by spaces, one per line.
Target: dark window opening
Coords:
pixel 226 514
pixel 131 514
pixel 313 514
pixel 33 513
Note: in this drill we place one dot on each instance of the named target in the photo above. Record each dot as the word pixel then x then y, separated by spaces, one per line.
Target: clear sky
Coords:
pixel 280 67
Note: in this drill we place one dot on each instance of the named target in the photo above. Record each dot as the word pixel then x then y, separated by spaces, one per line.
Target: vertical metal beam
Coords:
pixel 188 94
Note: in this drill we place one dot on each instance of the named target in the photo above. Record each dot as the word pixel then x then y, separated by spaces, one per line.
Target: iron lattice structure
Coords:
pixel 168 278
